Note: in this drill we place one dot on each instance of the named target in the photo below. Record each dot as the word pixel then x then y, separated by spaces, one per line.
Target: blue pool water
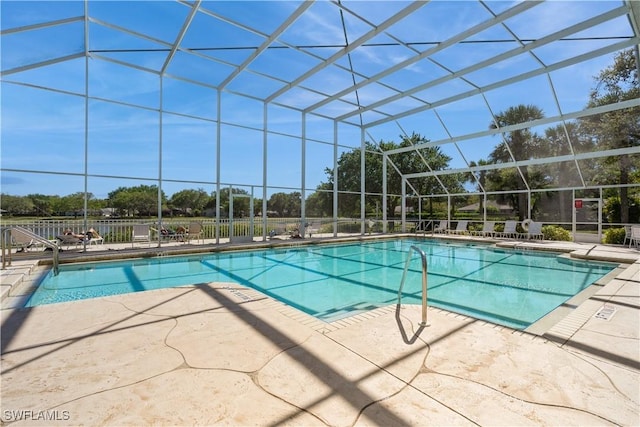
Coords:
pixel 507 287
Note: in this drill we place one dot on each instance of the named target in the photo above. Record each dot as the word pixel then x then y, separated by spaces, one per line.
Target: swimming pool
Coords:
pixel 502 286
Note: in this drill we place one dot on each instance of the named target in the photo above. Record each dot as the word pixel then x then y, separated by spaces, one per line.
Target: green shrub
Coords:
pixel 614 236
pixel 553 232
pixel 612 209
pixel 475 227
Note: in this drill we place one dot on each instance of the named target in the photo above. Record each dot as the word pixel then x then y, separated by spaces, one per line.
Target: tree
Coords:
pixel 257 206
pixel 141 200
pixel 320 203
pixel 620 128
pixel 240 204
pixel 294 204
pixel 16 205
pixel 276 203
pixel 41 204
pixel 421 160
pixel 190 201
pixel 424 160
pixel 72 203
pixel 285 204
pixel 518 145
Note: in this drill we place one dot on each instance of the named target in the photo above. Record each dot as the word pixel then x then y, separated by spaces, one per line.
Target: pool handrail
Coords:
pixel 7 245
pixel 423 256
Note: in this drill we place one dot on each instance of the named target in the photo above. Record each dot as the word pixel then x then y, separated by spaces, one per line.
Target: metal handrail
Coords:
pixel 7 233
pixel 6 256
pixel 424 281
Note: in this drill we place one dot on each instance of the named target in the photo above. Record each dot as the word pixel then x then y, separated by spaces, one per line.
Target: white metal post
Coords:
pixel 363 200
pixel 218 151
pixel 335 178
pixel 265 145
pixel 403 209
pixel 303 181
pixel 384 193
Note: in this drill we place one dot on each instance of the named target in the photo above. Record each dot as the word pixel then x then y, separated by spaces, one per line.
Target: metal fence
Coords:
pixel 120 230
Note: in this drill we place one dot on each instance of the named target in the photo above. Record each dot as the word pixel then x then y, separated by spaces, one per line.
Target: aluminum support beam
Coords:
pixel 347 49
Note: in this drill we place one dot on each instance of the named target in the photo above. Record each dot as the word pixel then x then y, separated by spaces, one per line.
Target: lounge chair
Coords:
pixel 627 234
pixel 69 239
pixel 510 230
pixel 141 233
pixel 487 229
pixel 194 232
pixel 461 227
pixel 534 231
pixel 278 230
pixel 294 232
pixel 635 237
pixel 167 234
pixel 21 241
pixel 96 241
pixel 94 237
pixel 442 227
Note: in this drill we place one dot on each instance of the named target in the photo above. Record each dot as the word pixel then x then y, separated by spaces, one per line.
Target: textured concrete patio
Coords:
pixel 221 354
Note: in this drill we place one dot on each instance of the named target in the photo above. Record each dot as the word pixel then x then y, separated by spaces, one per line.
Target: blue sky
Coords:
pixel 44 130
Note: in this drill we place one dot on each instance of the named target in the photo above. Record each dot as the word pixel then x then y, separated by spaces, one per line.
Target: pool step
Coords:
pixel 16 281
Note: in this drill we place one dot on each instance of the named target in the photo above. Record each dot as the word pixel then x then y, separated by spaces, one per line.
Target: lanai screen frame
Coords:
pixel 357 116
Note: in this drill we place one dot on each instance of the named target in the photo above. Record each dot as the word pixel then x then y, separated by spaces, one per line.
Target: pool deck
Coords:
pixel 223 354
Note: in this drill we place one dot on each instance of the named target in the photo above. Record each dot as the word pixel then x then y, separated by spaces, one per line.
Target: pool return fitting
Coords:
pixel 424 281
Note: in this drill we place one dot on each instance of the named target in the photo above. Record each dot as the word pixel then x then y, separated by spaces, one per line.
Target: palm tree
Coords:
pixel 621 128
pixel 521 144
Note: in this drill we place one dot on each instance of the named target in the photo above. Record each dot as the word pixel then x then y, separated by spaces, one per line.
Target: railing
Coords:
pixel 5 246
pixel 119 230
pixel 7 243
pixel 424 281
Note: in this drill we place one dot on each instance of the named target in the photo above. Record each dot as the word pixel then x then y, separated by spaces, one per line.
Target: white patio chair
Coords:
pixel 442 227
pixel 487 229
pixel 96 239
pixel 635 237
pixel 535 230
pixel 510 229
pixel 195 232
pixel 141 233
pixel 627 234
pixel 461 227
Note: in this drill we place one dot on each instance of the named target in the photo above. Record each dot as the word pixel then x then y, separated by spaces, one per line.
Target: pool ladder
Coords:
pixel 424 281
pixel 6 243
